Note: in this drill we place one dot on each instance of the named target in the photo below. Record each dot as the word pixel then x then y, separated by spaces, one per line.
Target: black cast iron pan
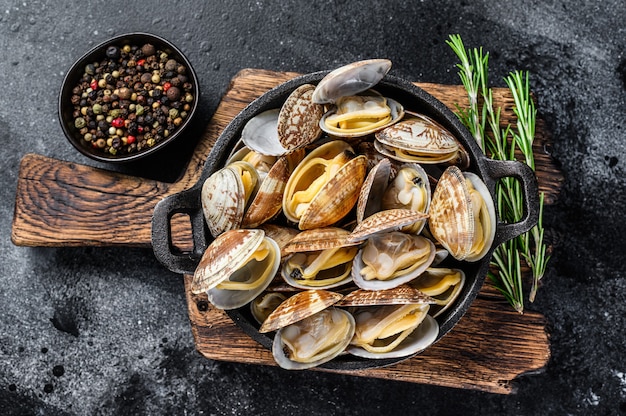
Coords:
pixel 412 98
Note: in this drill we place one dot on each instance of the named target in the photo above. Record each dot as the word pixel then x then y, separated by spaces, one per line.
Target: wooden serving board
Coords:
pixel 65 204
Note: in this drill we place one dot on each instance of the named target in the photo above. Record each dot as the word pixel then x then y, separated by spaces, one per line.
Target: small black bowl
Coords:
pixel 98 53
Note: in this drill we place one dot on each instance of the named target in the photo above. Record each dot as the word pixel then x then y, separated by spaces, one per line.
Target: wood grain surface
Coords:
pixel 65 204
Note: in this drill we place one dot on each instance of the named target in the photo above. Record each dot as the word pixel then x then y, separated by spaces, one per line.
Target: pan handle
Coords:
pixel 497 169
pixel 185 202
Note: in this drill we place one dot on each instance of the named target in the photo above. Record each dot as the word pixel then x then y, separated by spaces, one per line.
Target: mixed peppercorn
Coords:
pixel 132 99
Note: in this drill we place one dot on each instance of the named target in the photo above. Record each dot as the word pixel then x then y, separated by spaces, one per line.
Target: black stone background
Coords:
pixel 105 331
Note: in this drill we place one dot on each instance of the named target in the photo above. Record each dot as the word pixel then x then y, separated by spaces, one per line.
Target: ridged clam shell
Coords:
pixel 225 254
pixel 400 295
pixel 298 307
pixel 308 171
pixel 267 202
pixel 385 221
pixel 451 220
pixel 319 239
pixel 489 230
pixel 299 118
pixel 374 186
pixel 337 198
pixel 223 201
pixel 423 137
pixel 350 79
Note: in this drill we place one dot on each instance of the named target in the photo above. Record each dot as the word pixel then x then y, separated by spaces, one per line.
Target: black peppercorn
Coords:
pixel 148 49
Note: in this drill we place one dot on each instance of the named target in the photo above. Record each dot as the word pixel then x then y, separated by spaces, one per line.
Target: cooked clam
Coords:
pixel 443 285
pixel 462 215
pixel 267 201
pixel 386 331
pixel 309 331
pixel 314 340
pixel 324 186
pixel 236 267
pixel 360 115
pixel 261 163
pixel 417 138
pixel 224 196
pixel 391 259
pixel 321 258
pixel 266 303
pixel 350 80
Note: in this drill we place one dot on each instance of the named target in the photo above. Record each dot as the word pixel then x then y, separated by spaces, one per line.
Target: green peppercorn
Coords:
pixel 139 109
pixel 150 142
pixel 79 123
pixel 96 108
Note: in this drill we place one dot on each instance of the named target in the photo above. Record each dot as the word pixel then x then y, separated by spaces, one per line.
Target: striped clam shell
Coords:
pixel 299 306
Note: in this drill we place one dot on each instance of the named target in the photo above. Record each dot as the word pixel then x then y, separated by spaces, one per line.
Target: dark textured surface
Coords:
pixel 88 331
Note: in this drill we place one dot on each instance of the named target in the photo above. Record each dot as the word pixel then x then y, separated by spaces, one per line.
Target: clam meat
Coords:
pixel 392 330
pixel 321 258
pixel 391 259
pixel 360 115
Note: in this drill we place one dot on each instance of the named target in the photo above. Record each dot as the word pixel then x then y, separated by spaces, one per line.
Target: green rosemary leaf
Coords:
pixel 502 144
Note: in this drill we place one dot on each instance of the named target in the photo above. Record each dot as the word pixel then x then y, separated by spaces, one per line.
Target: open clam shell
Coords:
pixel 225 194
pixel 441 284
pixel 264 304
pixel 389 260
pixel 226 254
pixel 374 186
pixel 267 202
pixel 249 280
pixel 350 79
pixel 417 138
pixel 324 186
pixel 320 258
pixel 313 340
pixel 392 331
pixel 361 115
pixel 462 215
pixel 260 133
pixel 299 306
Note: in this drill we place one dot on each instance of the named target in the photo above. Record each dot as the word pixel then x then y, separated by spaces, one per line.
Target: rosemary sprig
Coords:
pixel 506 273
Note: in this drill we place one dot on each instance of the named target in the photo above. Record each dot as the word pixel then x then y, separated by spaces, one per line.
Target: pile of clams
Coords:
pixel 343 221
